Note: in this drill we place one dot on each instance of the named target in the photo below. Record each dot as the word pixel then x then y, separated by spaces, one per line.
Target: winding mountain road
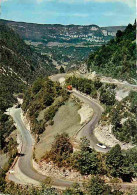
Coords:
pixel 23 171
pixel 24 162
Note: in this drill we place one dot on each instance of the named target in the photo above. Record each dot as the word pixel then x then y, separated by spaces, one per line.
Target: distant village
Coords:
pixel 87 37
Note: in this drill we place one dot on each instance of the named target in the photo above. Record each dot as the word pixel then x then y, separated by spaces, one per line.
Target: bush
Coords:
pixel 114 160
pixel 97 186
pixel 61 149
pixel 85 162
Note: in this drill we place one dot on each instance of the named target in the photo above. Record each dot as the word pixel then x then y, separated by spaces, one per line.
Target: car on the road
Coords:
pixel 101 145
pixel 69 87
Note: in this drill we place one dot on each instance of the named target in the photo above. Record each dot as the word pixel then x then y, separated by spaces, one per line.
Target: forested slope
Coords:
pixel 19 64
pixel 20 58
pixel 43 95
pixel 117 58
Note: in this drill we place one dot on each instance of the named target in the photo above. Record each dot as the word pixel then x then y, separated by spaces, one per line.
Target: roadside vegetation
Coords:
pixel 9 85
pixel 115 164
pixel 8 146
pixel 117 58
pixel 94 186
pixel 123 117
pixel 103 92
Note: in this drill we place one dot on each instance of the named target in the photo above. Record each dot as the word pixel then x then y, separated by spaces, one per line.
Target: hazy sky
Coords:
pixel 100 12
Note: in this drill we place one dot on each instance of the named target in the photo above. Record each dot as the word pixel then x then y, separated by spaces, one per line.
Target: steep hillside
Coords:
pixel 117 58
pixel 20 58
pixel 19 64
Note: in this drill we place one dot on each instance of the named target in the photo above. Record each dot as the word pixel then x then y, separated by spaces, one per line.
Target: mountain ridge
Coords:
pixel 5 20
pixel 87 29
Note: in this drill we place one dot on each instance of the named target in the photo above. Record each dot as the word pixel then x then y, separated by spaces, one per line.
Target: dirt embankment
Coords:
pixel 104 135
pixel 86 112
pixel 51 170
